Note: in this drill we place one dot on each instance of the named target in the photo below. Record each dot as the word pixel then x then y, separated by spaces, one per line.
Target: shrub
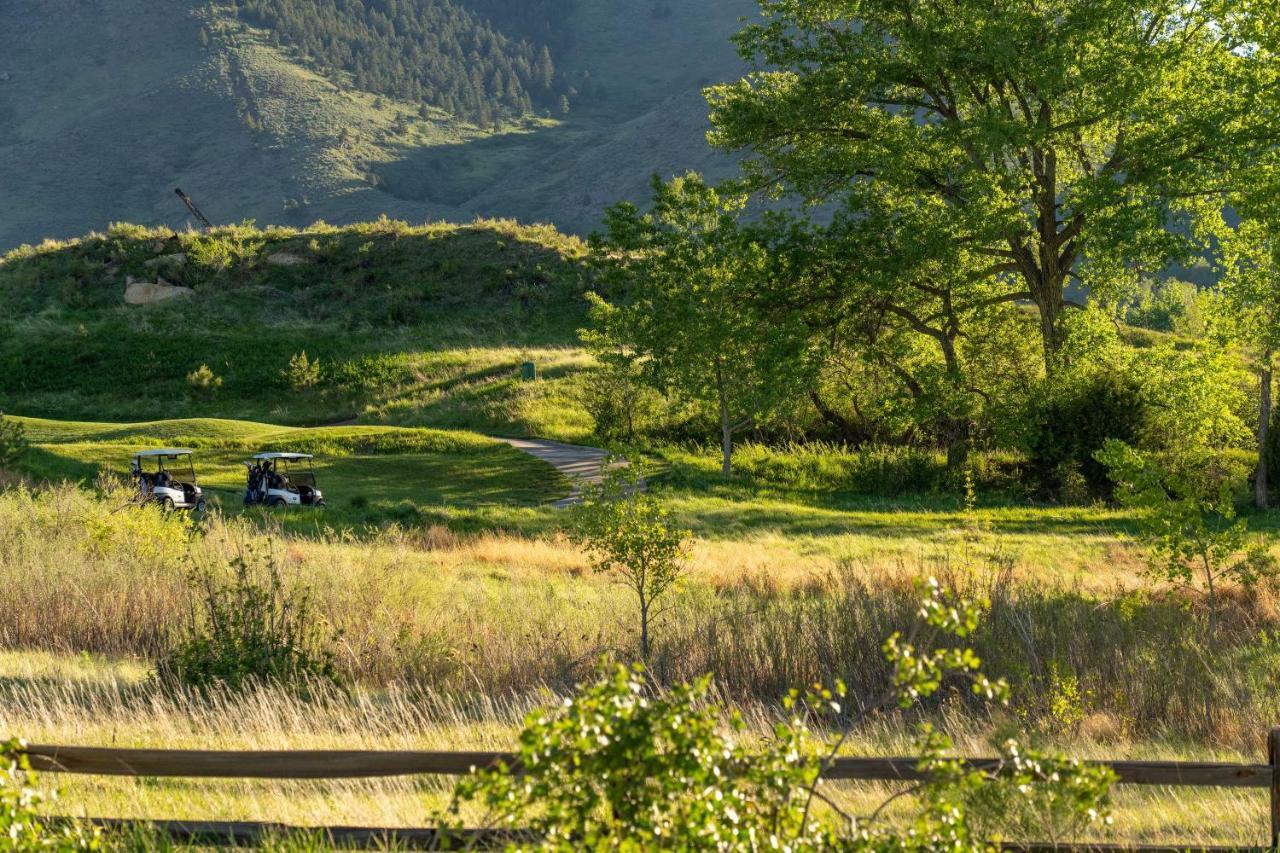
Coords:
pixel 251 630
pixel 1070 429
pixel 630 535
pixel 204 380
pixel 13 441
pixel 21 826
pixel 1190 527
pixel 619 767
pixel 302 372
pixel 619 403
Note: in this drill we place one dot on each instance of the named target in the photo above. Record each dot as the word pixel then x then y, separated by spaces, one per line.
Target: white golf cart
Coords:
pixel 159 485
pixel 282 479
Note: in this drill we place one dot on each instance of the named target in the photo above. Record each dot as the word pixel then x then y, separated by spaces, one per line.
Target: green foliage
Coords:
pixel 1053 137
pixel 1070 428
pixel 249 631
pixel 302 373
pixel 690 305
pixel 1191 526
pixel 1167 305
pixel 825 468
pixel 22 828
pixel 618 766
pixel 204 380
pixel 621 405
pixel 13 441
pixel 631 536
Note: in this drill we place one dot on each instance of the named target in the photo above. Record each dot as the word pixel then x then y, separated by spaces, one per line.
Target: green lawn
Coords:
pixel 367 473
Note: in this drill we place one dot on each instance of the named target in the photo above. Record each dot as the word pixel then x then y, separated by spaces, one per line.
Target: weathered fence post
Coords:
pixel 1273 758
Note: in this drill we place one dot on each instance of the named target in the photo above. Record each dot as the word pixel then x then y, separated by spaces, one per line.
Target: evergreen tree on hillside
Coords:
pixel 482 60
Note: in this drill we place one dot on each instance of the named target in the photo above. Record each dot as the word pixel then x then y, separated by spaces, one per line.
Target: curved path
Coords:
pixel 580 464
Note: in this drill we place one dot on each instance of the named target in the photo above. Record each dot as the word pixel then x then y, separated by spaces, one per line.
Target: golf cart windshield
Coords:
pixel 166 461
pixel 295 468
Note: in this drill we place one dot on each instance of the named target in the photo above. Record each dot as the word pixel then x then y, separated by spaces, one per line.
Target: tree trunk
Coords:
pixel 958 428
pixel 1213 598
pixel 842 425
pixel 644 631
pixel 1049 302
pixel 726 428
pixel 1264 423
pixel 958 445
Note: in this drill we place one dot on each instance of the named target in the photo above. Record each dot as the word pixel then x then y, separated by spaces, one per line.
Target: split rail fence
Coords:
pixel 350 764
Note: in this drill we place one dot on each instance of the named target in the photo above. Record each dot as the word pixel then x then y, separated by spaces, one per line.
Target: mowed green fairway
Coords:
pixel 364 469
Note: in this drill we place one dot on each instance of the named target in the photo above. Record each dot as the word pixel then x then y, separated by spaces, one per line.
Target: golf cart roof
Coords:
pixel 167 452
pixel 285 456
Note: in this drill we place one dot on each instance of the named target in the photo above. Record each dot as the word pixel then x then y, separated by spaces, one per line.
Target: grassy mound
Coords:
pixel 414 326
pixel 367 473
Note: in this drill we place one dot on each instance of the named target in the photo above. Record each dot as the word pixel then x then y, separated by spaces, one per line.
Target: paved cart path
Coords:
pixel 580 464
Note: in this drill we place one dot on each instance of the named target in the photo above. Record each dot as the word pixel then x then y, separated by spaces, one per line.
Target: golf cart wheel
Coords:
pixel 200 505
pixel 320 504
pixel 275 502
pixel 166 504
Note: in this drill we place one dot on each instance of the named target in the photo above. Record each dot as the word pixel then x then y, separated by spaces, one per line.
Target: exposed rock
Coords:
pixel 150 292
pixel 284 259
pixel 177 259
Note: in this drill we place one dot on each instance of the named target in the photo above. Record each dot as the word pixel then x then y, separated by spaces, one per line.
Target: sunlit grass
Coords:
pixel 72 700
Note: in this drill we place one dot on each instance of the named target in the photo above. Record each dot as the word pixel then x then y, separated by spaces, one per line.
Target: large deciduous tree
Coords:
pixel 1249 297
pixel 884 278
pixel 1066 138
pixel 691 302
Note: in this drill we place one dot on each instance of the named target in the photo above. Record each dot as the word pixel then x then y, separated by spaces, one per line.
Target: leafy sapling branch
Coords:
pixel 622 764
pixel 1189 523
pixel 632 537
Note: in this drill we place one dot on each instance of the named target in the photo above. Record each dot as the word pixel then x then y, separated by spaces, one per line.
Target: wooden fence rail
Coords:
pixel 352 764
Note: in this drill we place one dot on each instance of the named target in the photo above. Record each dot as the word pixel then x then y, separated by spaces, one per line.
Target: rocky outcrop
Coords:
pixel 150 292
pixel 177 259
pixel 284 259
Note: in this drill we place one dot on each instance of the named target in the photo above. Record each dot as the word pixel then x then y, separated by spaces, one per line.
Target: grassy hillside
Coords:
pixel 368 474
pixel 105 108
pixel 413 326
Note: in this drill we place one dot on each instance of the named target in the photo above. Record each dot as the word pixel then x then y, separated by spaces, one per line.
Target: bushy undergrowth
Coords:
pixel 880 470
pixel 13 442
pixel 502 614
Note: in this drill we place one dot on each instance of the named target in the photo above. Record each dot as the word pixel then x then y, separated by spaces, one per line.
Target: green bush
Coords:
pixel 204 380
pixel 13 441
pixel 620 405
pixel 249 631
pixel 302 372
pixel 1072 426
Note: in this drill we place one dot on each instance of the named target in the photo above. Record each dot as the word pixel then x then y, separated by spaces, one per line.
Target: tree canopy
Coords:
pixel 692 301
pixel 1070 141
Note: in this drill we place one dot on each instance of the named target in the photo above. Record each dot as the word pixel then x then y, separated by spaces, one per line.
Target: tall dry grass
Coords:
pixel 501 615
pixel 72 699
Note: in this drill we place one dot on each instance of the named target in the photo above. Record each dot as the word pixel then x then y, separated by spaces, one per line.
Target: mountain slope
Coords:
pixel 107 105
